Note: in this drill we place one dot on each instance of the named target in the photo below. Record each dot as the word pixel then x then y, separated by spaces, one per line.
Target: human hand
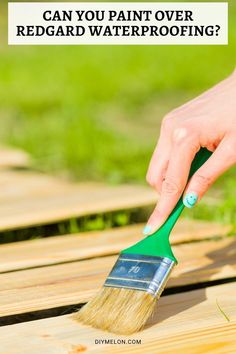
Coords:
pixel 206 121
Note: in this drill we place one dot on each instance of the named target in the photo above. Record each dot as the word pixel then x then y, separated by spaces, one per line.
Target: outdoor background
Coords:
pixel 94 112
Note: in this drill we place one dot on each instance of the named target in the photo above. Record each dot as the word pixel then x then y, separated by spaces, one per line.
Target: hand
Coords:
pixel 207 121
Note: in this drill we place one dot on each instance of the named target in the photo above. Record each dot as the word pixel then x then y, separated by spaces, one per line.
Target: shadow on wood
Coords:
pixel 224 257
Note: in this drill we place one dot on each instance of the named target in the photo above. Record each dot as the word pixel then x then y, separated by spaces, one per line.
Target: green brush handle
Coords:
pixel 158 243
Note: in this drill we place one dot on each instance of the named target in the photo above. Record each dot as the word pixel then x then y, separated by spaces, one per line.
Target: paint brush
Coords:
pixel 139 276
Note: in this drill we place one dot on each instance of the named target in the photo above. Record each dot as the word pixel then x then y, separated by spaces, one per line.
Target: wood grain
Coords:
pixel 189 322
pixel 66 248
pixel 29 198
pixel 76 282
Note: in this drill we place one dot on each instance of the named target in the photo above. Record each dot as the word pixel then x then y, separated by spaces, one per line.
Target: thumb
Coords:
pixel 222 159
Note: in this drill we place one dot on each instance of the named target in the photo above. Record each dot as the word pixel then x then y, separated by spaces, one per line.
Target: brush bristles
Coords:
pixel 118 310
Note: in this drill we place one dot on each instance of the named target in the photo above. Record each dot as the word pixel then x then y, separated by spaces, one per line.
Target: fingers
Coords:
pixel 182 155
pixel 222 159
pixel 160 158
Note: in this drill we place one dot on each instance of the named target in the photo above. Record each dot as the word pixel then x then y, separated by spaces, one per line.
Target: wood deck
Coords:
pixel 55 275
pixel 189 322
pixel 13 158
pixel 37 199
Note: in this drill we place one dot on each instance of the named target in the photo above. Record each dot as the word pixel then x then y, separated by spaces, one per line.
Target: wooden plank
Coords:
pixel 188 322
pixel 66 248
pixel 29 199
pixel 12 158
pixel 76 282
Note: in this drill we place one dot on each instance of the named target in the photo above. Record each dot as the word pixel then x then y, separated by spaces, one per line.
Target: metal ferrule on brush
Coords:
pixel 140 272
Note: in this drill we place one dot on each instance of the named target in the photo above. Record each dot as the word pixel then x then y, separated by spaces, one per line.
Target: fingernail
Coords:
pixel 147 230
pixel 190 199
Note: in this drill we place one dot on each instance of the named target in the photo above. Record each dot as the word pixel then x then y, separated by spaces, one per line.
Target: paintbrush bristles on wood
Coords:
pixel 138 277
pixel 118 310
pixel 129 294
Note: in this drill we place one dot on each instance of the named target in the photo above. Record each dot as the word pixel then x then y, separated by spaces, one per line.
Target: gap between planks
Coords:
pixel 72 283
pixel 59 249
pixel 188 322
pixel 29 198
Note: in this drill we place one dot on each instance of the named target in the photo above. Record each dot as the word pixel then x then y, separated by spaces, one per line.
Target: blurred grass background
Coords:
pixel 94 112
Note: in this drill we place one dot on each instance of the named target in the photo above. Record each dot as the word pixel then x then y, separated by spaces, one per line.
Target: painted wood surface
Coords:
pixel 76 282
pixel 57 249
pixel 189 322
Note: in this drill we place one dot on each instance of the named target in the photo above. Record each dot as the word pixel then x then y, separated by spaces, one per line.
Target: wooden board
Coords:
pixel 189 322
pixel 76 282
pixel 29 199
pixel 11 158
pixel 57 249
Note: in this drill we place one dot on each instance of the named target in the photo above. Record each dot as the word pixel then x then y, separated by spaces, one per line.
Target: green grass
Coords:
pixel 94 112
pixel 222 311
